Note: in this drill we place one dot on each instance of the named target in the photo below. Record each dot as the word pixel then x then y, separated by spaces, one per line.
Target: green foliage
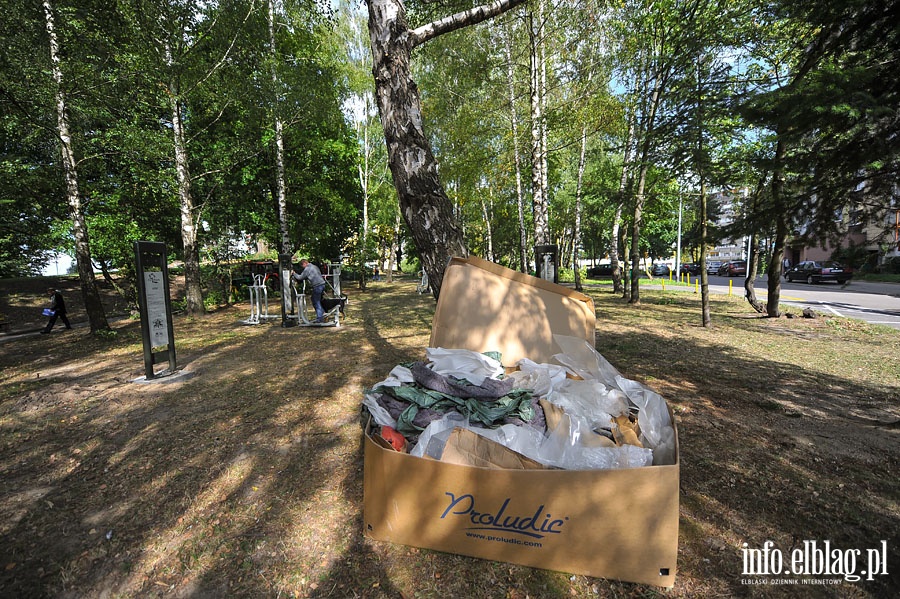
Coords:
pixel 855 256
pixel 822 73
pixel 106 334
pixel 567 275
pixel 214 298
pixel 834 111
pixel 890 266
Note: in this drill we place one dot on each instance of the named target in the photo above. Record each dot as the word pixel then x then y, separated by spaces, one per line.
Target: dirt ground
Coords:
pixel 244 477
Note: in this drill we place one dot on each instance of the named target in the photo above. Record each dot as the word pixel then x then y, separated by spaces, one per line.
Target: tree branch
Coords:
pixel 473 16
pixel 216 66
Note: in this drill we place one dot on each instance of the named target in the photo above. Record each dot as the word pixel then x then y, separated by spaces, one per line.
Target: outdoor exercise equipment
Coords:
pixel 306 312
pixel 259 301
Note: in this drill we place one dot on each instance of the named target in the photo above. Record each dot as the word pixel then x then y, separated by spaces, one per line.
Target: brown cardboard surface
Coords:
pixel 620 524
pixel 486 307
pixel 467 448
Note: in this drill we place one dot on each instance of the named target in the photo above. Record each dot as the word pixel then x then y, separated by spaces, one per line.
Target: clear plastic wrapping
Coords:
pixel 590 408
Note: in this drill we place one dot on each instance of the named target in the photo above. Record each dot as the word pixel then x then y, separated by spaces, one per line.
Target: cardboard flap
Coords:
pixel 486 307
pixel 467 448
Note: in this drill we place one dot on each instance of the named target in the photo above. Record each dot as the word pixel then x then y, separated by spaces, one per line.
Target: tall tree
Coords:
pixel 280 186
pixel 514 136
pixel 89 292
pixel 424 203
pixel 191 42
pixel 538 78
pixel 650 36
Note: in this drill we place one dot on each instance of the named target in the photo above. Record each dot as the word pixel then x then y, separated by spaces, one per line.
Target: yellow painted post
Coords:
pixel 729 286
pixel 688 275
pixel 696 286
pixel 663 281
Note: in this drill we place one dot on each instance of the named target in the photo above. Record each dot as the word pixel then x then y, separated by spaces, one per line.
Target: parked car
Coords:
pixel 734 268
pixel 712 267
pixel 690 268
pixel 817 272
pixel 659 269
pixel 601 270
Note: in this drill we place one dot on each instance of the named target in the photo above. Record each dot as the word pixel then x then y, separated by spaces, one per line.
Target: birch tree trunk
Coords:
pixel 576 233
pixel 514 119
pixel 364 178
pixel 617 218
pixel 395 242
pixel 423 202
pixel 614 250
pixel 84 265
pixel 542 124
pixel 636 235
pixel 193 293
pixel 623 243
pixel 753 265
pixel 487 214
pixel 538 199
pixel 280 186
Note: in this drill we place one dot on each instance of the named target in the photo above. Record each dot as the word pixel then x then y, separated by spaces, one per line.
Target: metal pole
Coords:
pixel 678 250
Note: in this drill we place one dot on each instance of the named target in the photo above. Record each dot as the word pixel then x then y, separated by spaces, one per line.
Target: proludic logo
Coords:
pixel 535 522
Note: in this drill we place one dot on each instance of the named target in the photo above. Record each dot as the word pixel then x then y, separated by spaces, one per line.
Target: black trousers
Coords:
pixel 53 318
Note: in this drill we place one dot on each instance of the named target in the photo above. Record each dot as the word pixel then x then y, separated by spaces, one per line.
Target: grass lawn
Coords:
pixel 245 479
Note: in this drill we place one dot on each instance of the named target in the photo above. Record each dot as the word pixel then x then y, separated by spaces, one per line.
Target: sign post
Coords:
pixel 156 306
pixel 546 258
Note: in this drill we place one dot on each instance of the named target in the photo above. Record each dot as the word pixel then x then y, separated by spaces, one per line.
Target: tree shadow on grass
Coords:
pixel 246 480
pixel 770 451
pixel 215 485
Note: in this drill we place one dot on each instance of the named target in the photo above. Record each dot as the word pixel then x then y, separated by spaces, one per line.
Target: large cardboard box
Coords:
pixel 620 524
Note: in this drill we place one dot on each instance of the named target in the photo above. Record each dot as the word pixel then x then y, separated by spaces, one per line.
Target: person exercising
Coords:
pixel 310 272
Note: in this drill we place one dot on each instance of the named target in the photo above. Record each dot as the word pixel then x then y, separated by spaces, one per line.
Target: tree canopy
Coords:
pixel 183 114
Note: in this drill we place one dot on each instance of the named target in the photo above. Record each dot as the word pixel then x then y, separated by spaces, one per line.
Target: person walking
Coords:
pixel 310 272
pixel 57 309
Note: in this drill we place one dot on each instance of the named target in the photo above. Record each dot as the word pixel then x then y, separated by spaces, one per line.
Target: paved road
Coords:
pixel 876 303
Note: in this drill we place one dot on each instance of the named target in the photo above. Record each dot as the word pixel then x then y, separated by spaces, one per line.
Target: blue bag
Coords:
pixel 49 312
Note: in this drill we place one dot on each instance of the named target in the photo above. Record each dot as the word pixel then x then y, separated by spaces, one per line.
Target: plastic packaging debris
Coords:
pixel 593 425
pixel 524 440
pixel 591 400
pixel 564 448
pixel 582 359
pixel 542 378
pixel 656 427
pixel 464 364
pixel 397 376
pixel 467 448
pixel 435 429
